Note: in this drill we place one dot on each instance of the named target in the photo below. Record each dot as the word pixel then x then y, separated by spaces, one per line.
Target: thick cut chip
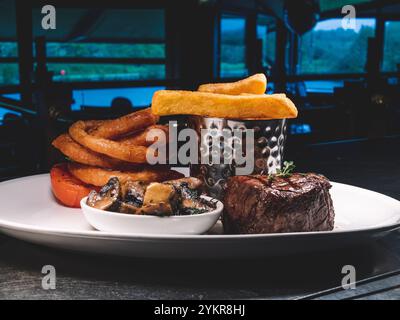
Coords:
pixel 248 106
pixel 256 84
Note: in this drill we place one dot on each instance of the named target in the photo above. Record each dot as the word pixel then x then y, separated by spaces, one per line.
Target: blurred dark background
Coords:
pixel 106 58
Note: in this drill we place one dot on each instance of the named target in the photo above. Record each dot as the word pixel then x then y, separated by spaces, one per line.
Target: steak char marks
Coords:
pixel 259 204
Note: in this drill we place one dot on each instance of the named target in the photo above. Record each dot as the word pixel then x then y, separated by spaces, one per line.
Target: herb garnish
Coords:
pixel 288 167
pixel 285 172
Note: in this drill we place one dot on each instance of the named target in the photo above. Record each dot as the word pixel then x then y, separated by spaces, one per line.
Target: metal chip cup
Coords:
pixel 227 147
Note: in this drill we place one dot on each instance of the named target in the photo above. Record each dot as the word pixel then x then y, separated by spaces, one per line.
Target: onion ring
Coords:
pixel 78 153
pixel 99 177
pixel 139 139
pixel 129 123
pixel 114 149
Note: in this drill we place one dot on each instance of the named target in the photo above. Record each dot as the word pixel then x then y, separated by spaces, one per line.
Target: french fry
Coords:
pixel 256 84
pixel 245 106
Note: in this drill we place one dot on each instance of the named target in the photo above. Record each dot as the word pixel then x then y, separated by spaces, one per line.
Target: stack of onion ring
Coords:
pixel 101 149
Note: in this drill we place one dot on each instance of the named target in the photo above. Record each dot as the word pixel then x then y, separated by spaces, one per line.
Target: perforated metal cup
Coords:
pixel 269 140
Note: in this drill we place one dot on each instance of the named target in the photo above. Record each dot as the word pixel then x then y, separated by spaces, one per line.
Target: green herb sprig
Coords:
pixel 285 172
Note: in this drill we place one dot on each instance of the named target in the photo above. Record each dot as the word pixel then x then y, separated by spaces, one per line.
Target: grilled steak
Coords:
pixel 259 204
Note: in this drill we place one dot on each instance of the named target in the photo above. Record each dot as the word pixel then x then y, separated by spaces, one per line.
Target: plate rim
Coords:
pixel 15 226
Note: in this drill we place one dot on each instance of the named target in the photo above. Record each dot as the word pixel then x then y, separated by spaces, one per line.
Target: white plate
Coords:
pixel 144 224
pixel 29 212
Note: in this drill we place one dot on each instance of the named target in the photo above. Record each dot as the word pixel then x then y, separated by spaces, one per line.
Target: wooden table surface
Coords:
pixel 372 165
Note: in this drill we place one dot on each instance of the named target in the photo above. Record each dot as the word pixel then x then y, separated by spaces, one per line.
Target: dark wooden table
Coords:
pixel 369 164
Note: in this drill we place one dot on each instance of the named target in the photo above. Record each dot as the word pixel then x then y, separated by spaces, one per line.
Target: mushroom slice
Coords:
pixel 129 208
pixel 133 192
pixel 158 192
pixel 154 209
pixel 107 197
pixel 189 182
pixel 160 198
pixel 190 201
pixel 157 209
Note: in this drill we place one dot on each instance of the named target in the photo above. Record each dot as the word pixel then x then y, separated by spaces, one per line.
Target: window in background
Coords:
pixel 393 81
pixel 233 46
pixel 391 52
pixel 322 86
pixel 266 32
pixel 75 72
pixel 329 48
pixel 8 49
pixel 4 111
pixel 114 45
pixel 105 50
pixel 15 96
pixel 300 129
pixel 8 73
pixel 8 46
pixel 117 45
pixel 139 97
